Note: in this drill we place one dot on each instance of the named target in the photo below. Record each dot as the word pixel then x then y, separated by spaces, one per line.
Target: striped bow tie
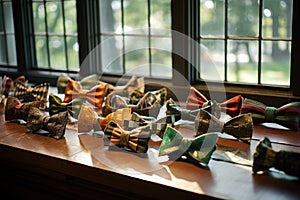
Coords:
pixel 37 93
pixel 87 82
pixel 56 105
pixel 265 158
pixel 55 124
pixel 135 140
pixel 196 100
pixel 240 127
pixel 8 84
pixel 197 150
pixel 287 115
pixel 15 110
pixel 95 95
pixel 88 119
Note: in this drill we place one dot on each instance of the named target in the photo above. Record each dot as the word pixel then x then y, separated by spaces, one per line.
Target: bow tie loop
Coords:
pixel 8 84
pixel 15 109
pixel 55 124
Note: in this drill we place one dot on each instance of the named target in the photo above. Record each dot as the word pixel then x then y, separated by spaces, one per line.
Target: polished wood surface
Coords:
pixel 80 166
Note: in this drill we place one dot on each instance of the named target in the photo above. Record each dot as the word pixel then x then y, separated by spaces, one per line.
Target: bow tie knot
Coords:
pixel 270 114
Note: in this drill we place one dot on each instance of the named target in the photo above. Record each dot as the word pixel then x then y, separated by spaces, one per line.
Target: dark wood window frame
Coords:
pixel 184 20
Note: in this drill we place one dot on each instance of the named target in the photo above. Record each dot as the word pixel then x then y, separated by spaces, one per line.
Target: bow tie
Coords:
pixel 185 114
pixel 37 93
pixel 197 100
pixel 287 115
pixel 157 127
pixel 135 140
pixel 198 149
pixel 265 158
pixel 55 124
pixel 95 95
pixel 8 84
pixel 87 82
pixel 89 120
pixel 14 109
pixel 240 127
pixel 56 105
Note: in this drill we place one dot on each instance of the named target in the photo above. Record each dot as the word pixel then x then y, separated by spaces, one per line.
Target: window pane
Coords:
pixel 12 57
pixel 9 23
pixel 56 50
pixel 3 59
pixel 243 17
pixel 276 63
pixel 212 17
pixel 160 14
pixel 135 14
pixel 277 18
pixel 38 10
pixel 41 51
pixel 70 16
pixel 73 49
pixel 242 61
pixel 110 16
pixel 54 17
pixel 212 60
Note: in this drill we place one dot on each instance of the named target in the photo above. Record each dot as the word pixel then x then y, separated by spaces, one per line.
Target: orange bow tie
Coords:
pixel 196 100
pixel 95 95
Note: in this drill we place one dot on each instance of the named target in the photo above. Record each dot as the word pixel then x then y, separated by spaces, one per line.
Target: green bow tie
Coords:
pixel 199 149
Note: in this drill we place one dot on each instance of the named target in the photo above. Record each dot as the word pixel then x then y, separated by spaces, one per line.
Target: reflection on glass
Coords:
pixel 70 16
pixel 110 16
pixel 73 59
pixel 276 62
pixel 56 50
pixel 242 61
pixel 54 17
pixel 41 51
pixel 38 11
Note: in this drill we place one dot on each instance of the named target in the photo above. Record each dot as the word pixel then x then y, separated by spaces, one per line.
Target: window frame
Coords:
pixel 184 20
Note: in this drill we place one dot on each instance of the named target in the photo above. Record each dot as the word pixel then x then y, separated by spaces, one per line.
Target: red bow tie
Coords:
pixel 95 95
pixel 197 100
pixel 8 84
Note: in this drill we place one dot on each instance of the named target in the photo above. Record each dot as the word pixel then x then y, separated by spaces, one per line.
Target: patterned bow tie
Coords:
pixel 8 84
pixel 287 115
pixel 14 109
pixel 55 124
pixel 135 140
pixel 37 93
pixel 240 127
pixel 95 95
pixel 197 100
pixel 89 120
pixel 87 82
pixel 198 149
pixel 265 158
pixel 56 105
pixel 157 127
pixel 184 114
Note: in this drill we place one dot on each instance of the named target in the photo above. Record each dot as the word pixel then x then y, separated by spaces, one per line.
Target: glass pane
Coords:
pixel 54 17
pixel 212 17
pixel 41 51
pixel 112 59
pixel 9 23
pixel 243 17
pixel 277 18
pixel 135 14
pixel 12 57
pixel 160 14
pixel 70 16
pixel 137 55
pixel 242 61
pixel 3 59
pixel 57 53
pixel 38 10
pixel 73 49
pixel 276 61
pixel 211 60
pixel 110 16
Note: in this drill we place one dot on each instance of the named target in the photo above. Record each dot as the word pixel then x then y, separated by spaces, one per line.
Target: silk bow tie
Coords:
pixel 184 114
pixel 240 127
pixel 56 105
pixel 265 158
pixel 95 95
pixel 55 124
pixel 14 109
pixel 135 140
pixel 87 82
pixel 197 149
pixel 287 115
pixel 196 100
pixel 8 84
pixel 157 127
pixel 37 93
pixel 89 120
